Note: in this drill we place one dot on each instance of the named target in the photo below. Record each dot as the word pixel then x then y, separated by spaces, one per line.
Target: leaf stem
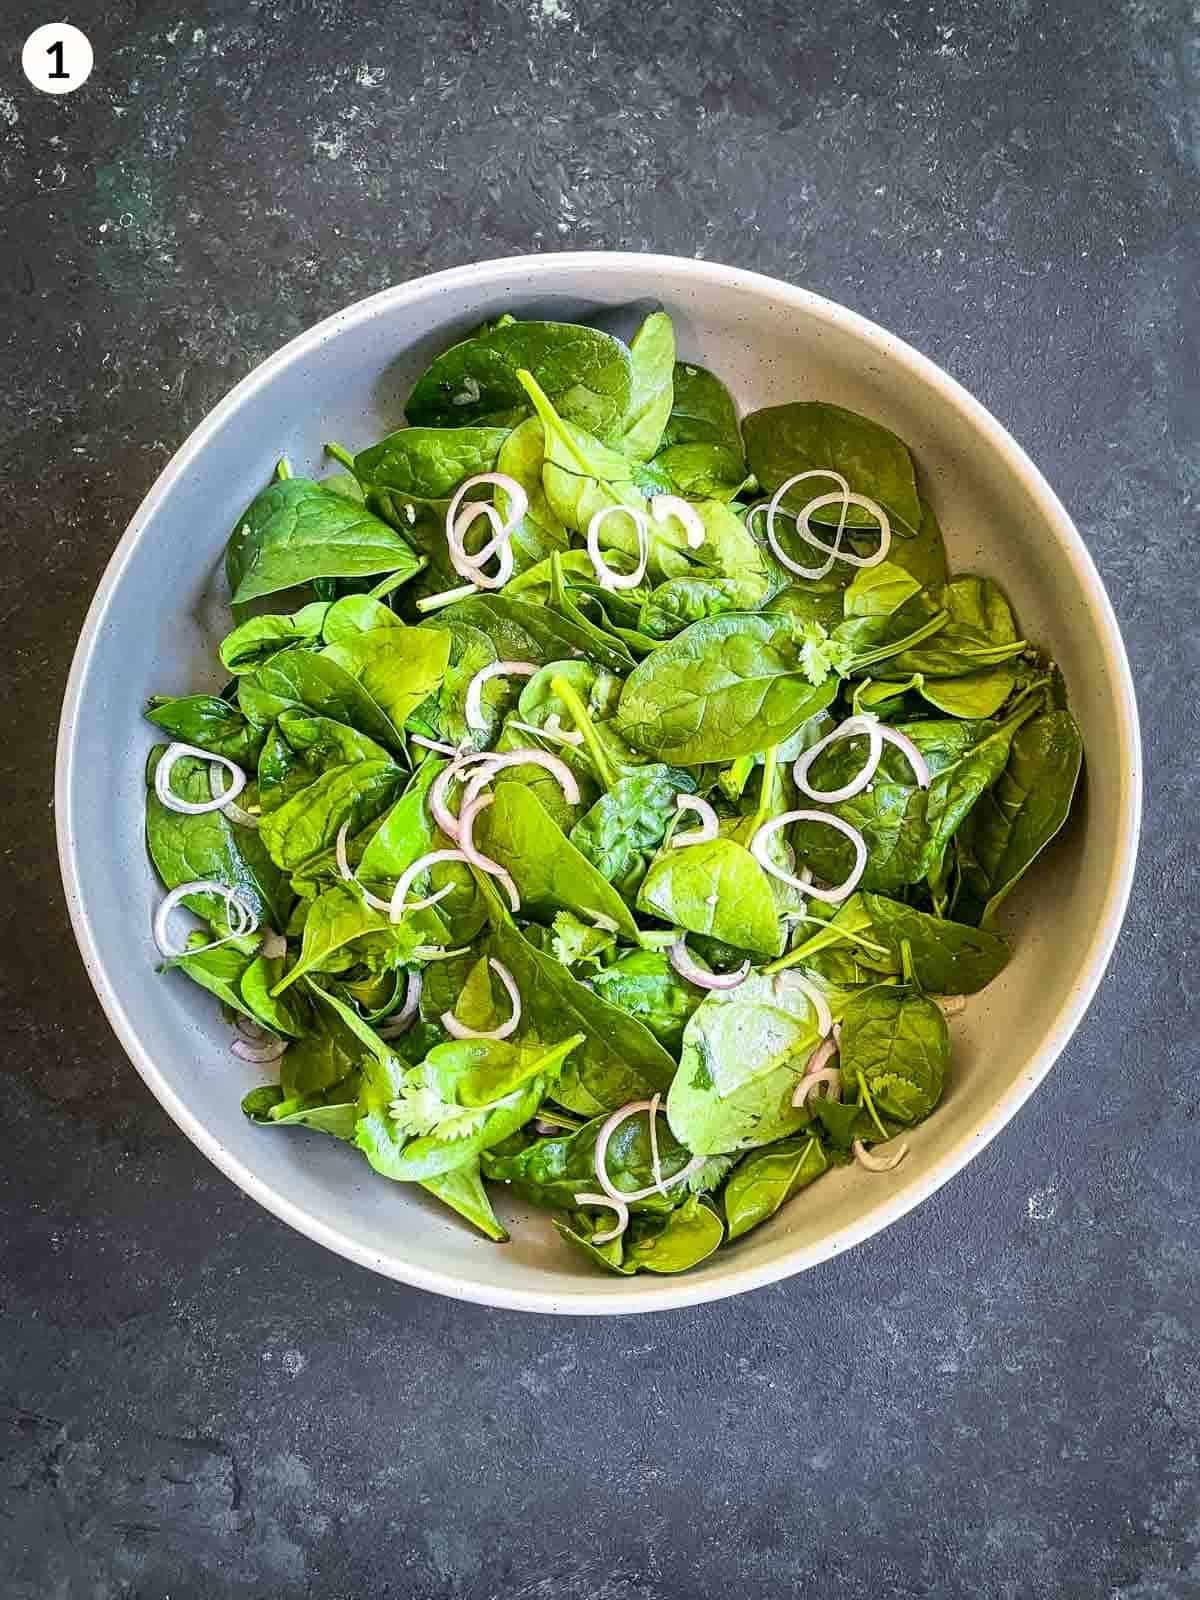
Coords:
pixel 340 453
pixel 579 716
pixel 283 469
pixel 884 652
pixel 865 1094
pixel 393 580
pixel 433 602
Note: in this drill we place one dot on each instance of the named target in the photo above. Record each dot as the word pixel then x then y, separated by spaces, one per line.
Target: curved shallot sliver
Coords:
pixel 909 751
pixel 393 1027
pixel 691 971
pixel 605 576
pixel 459 1030
pixel 620 1197
pixel 247 917
pixel 619 1206
pixel 791 979
pixel 397 909
pixel 267 1050
pixel 663 506
pixel 856 727
pixel 473 707
pixel 872 1162
pixel 834 896
pixel 709 826
pixel 195 808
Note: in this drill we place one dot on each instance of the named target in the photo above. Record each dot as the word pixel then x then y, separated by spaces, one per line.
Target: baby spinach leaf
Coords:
pixel 587 374
pixel 717 888
pixel 702 471
pixel 744 1052
pixel 267 1108
pixel 550 873
pixel 429 463
pixel 356 614
pixel 767 1179
pixel 259 638
pixel 397 667
pixel 803 436
pixel 521 631
pixel 540 531
pixel 922 554
pixel 878 591
pixel 207 845
pixel 300 679
pixel 890 814
pixel 338 917
pixel 619 1059
pixel 899 1045
pixel 209 723
pixel 578 1228
pixel 676 1242
pixel 283 1014
pixel 462 1190
pixel 309 821
pixel 652 355
pixel 296 531
pixel 947 957
pixel 678 602
pixel 219 971
pixel 324 743
pixel 1024 810
pixel 551 1171
pixel 446 712
pixel 646 985
pixel 973 695
pixel 629 821
pixel 702 411
pixel 724 687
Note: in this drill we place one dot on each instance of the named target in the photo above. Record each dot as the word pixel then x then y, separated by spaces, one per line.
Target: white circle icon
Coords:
pixel 57 58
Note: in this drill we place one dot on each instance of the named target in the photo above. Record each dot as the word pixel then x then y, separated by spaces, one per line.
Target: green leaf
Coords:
pixel 677 1242
pixel 397 667
pixel 259 638
pixel 429 463
pixel 551 1171
pixel 462 1190
pixel 588 376
pixel 209 723
pixel 300 679
pixel 309 822
pixel 219 971
pixel 628 823
pixel 718 889
pixel 550 873
pixel 803 436
pixel 767 1179
pixel 899 1045
pixel 725 687
pixel 744 1051
pixel 339 917
pixel 646 985
pixel 702 411
pixel 284 1014
pixel 296 531
pixel 652 353
pixel 540 531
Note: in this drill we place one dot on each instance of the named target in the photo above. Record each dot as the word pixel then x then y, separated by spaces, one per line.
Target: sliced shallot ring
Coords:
pixel 790 979
pixel 619 1206
pixel 829 1076
pixel 396 907
pixel 605 576
pixel 856 727
pixel 613 1195
pixel 195 808
pixel 909 751
pixel 459 1030
pixel 688 968
pixel 347 876
pixel 663 506
pixel 231 809
pixel 467 566
pixel 555 735
pixel 872 1162
pixel 831 552
pixel 503 528
pixel 709 826
pixel 526 758
pixel 439 791
pixel 247 916
pixel 393 1027
pixel 497 669
pixel 841 891
pixel 435 745
pixel 836 551
pixel 475 856
pixel 268 1050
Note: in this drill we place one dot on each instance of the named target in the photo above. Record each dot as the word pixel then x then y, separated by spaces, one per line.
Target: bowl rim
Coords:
pixel 604 1298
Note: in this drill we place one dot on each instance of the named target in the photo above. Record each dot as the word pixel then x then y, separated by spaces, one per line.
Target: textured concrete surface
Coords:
pixel 999 1396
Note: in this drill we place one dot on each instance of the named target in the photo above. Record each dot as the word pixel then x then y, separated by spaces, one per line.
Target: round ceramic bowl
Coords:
pixel 162 606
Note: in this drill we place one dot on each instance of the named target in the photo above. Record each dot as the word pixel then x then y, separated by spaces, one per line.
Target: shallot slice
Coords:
pixel 497 669
pixel 619 1206
pixel 909 751
pixel 605 576
pixel 406 1016
pixel 663 506
pixel 873 1163
pixel 709 826
pixel 439 793
pixel 790 979
pixel 476 857
pixel 230 808
pixel 459 1030
pixel 831 552
pixel 269 1050
pixel 347 876
pixel 829 1076
pixel 687 967
pixel 466 565
pixel 527 758
pixel 852 728
pixel 396 907
pixel 615 1196
pixel 503 527
pixel 195 808
pixel 247 917
pixel 434 744
pixel 834 896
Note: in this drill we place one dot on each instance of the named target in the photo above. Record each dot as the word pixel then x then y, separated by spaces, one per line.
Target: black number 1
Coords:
pixel 56 50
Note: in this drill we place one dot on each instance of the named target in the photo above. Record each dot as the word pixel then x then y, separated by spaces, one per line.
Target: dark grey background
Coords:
pixel 997 1397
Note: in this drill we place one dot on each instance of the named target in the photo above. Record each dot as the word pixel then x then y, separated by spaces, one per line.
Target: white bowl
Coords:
pixel 161 606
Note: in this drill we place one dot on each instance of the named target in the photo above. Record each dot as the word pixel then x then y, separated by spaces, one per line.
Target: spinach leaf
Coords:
pixel 296 531
pixel 744 1052
pixel 878 591
pixel 1024 810
pixel 300 679
pixel 652 354
pixel 339 917
pixel 979 633
pixel 356 614
pixel 890 814
pixel 445 714
pixel 702 411
pixel 678 602
pixel 550 1171
pixel 899 1045
pixel 540 532
pixel 207 845
pixel 973 695
pixel 629 821
pixel 287 1015
pixel 219 971
pixel 947 957
pixel 703 471
pixel 718 889
pixel 521 631
pixel 619 1059
pixel 803 436
pixel 267 1108
pixel 667 1244
pixel 429 463
pixel 259 638
pixel 587 374
pixel 397 667
pixel 462 1190
pixel 324 743
pixel 922 554
pixel 550 873
pixel 724 687
pixel 646 985
pixel 767 1179
pixel 209 723
pixel 309 821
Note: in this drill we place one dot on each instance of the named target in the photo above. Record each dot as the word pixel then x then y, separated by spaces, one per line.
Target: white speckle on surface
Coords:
pixel 370 77
pixel 198 36
pixel 1042 1203
pixel 551 11
pixel 8 110
pixel 331 143
pixel 293 1363
pixel 467 395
